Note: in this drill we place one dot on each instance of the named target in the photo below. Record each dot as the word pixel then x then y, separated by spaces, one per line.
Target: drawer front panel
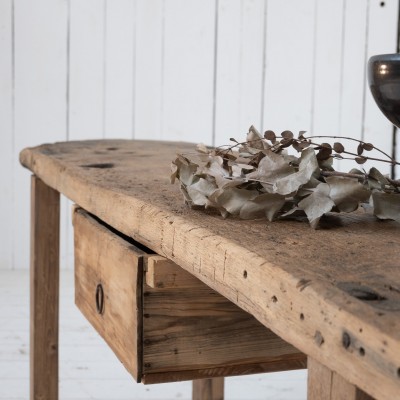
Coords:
pixel 108 287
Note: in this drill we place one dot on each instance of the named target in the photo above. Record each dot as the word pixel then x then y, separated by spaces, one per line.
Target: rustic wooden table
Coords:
pixel 333 293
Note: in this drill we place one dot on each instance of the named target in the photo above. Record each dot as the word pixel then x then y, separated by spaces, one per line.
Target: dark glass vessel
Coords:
pixel 384 82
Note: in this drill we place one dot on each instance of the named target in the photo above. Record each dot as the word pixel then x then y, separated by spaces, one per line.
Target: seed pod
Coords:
pixel 270 135
pixel 287 134
pixel 368 146
pixel 338 147
pixel 360 160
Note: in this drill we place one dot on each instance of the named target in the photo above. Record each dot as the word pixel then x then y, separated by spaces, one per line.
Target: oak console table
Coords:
pixel 183 294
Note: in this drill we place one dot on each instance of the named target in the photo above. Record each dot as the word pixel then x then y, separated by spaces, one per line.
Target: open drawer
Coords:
pixel 162 323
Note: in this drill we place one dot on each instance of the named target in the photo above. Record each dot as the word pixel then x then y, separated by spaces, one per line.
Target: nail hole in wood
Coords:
pixel 346 340
pixel 302 316
pixel 99 299
pixel 99 165
pixel 319 339
pixel 245 274
pixel 398 372
pixel 274 299
pixel 360 292
pixel 361 351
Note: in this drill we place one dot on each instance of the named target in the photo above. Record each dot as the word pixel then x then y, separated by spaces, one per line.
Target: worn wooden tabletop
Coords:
pixel 333 292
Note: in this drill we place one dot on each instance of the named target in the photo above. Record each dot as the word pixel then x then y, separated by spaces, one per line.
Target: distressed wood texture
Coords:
pixel 102 258
pixel 208 389
pixel 45 216
pixel 177 332
pixel 333 293
pixel 164 273
pixel 324 384
pixel 192 332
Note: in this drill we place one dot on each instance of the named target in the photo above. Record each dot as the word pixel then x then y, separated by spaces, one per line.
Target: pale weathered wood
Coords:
pixel 102 257
pixel 45 217
pixel 189 331
pixel 193 332
pixel 208 389
pixel 164 273
pixel 324 384
pixel 309 287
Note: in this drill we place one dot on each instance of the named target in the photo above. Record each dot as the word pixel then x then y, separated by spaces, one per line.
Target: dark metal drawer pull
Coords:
pixel 99 299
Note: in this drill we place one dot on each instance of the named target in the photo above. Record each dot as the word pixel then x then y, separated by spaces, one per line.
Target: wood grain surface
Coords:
pixel 334 293
pixel 208 389
pixel 44 291
pixel 327 385
pixel 102 258
pixel 166 334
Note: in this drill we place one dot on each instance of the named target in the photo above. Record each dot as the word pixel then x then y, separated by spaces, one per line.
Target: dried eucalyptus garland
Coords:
pixel 259 179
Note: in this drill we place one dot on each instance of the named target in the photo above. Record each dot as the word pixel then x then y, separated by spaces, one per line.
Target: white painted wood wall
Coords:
pixel 192 70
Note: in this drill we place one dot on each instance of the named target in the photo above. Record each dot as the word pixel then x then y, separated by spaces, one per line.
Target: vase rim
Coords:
pixel 385 58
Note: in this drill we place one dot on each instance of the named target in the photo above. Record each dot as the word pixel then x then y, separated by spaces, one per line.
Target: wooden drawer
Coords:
pixel 162 323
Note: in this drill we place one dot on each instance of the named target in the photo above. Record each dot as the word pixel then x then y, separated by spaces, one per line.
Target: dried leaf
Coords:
pixel 233 199
pixel 184 170
pixel 271 168
pixel 338 147
pixel 264 205
pixel 347 193
pixel 254 138
pixel 202 148
pixel 386 205
pixel 317 204
pixel 174 173
pixel 301 135
pixel 376 180
pixel 215 167
pixel 201 190
pixel 294 212
pixel 307 167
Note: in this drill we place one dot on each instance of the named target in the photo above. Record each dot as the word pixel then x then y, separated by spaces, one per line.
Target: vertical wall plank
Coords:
pixel 40 96
pixel 86 69
pixel 119 68
pixel 6 134
pixel 289 65
pixel 148 68
pixel 327 67
pixel 353 79
pixel 382 38
pixel 239 68
pixel 87 85
pixel 188 73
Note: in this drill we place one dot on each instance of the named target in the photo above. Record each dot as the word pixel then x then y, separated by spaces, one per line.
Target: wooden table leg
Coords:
pixel 45 222
pixel 324 384
pixel 208 389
